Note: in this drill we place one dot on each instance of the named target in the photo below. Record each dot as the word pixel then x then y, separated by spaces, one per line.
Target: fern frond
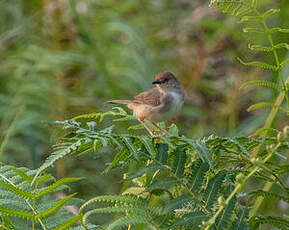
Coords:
pixel 126 221
pixel 143 170
pixel 57 184
pixel 17 191
pixel 147 142
pixel 268 84
pixel 251 18
pixel 282 45
pixel 285 62
pixel 278 29
pixel 202 150
pixel 113 199
pixel 162 153
pixel 163 184
pixel 277 222
pixel 253 30
pixel 266 194
pixel 212 190
pixel 120 157
pixel 55 208
pixel 259 64
pixel 260 48
pixel 179 202
pixel 266 104
pixel 57 155
pixel 68 223
pixel 226 217
pixel 22 174
pixel 131 147
pixel 270 13
pixel 233 7
pixel 14 212
pixel 241 220
pixel 179 162
pixel 197 175
pixel 192 220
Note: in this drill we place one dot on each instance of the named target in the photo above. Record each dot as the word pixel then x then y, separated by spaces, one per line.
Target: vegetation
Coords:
pixel 235 177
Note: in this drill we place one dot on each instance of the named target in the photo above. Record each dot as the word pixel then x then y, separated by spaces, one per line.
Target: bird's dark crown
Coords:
pixel 164 77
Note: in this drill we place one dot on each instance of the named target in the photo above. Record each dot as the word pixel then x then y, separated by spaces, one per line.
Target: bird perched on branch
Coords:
pixel 158 104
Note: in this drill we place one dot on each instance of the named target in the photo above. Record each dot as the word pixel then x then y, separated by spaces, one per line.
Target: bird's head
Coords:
pixel 167 81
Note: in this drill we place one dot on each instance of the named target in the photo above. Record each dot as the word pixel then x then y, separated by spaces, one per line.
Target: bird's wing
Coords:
pixel 151 97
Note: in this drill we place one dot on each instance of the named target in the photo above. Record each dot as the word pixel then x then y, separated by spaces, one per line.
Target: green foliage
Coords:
pixel 247 12
pixel 30 206
pixel 178 182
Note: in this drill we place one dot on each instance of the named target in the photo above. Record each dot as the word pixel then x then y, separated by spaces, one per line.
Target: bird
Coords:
pixel 160 103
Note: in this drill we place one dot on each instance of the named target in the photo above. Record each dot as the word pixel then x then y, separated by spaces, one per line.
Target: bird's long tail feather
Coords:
pixel 124 102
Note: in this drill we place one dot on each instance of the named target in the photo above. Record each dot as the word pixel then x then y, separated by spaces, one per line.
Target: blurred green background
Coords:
pixel 62 58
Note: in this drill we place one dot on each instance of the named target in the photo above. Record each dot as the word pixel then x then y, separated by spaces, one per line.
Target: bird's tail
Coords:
pixel 124 102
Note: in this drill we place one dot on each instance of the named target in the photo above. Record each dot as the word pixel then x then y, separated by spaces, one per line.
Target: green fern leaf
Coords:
pixel 17 213
pixel 212 190
pixel 120 157
pixel 179 162
pixel 241 221
pixel 268 84
pixel 114 199
pixel 143 170
pixel 203 151
pixel 57 155
pixel 270 13
pixel 147 142
pixel 68 223
pixel 260 48
pixel 131 147
pixel 253 30
pixel 22 174
pixel 266 194
pixel 259 64
pixel 191 220
pixel 277 222
pixel 162 153
pixel 235 8
pixel 225 218
pixel 277 29
pixel 197 176
pixel 179 202
pixel 285 62
pixel 55 208
pixel 282 45
pixel 266 104
pixel 17 191
pixel 163 184
pixel 57 184
pixel 94 116
pixel 251 19
pixel 115 209
pixel 269 132
pixel 126 221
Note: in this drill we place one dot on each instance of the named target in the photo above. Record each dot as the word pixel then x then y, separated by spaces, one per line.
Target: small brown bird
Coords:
pixel 158 104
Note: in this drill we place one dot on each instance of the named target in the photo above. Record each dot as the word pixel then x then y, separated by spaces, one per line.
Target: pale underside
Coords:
pixel 155 106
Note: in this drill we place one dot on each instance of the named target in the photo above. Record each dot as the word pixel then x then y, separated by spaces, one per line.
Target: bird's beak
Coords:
pixel 156 82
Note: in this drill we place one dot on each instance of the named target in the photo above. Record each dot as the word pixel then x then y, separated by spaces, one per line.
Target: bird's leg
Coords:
pixel 147 128
pixel 164 132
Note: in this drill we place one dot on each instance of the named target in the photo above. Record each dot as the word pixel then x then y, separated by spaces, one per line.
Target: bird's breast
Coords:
pixel 175 103
pixel 172 103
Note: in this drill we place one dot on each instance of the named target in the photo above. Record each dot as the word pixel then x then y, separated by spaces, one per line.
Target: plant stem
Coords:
pixel 272 114
pixel 237 189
